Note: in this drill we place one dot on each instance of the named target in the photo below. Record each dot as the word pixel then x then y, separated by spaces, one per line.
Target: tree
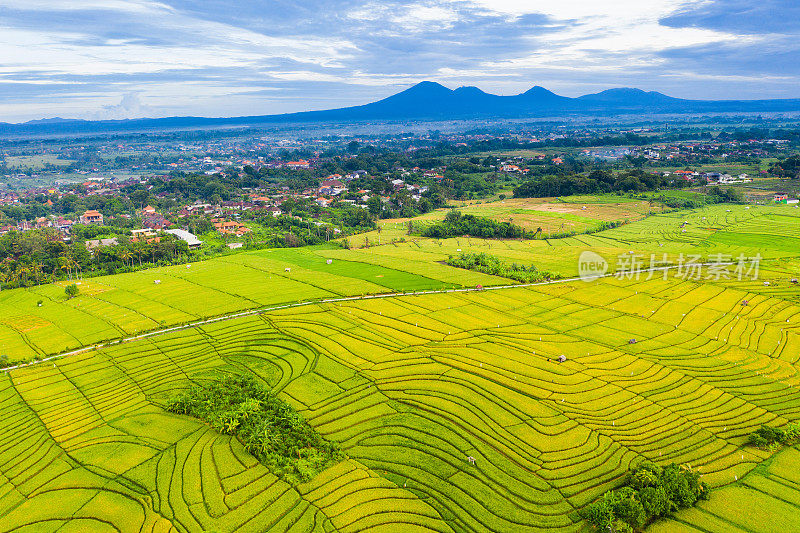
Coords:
pixel 787 168
pixel 71 290
pixel 374 205
pixel 126 256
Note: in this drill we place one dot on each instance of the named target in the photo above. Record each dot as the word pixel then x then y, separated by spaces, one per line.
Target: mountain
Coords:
pixel 628 96
pixel 431 101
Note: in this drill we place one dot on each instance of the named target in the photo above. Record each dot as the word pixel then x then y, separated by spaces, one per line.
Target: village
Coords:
pixel 230 219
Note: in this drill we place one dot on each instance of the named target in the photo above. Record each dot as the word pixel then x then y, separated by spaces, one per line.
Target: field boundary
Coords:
pixel 263 310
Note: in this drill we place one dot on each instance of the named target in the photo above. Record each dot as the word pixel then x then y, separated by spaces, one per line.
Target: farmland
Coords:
pixel 578 214
pixel 411 386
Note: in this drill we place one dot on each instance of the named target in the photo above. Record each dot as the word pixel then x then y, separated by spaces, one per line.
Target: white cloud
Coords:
pixel 602 36
pixel 416 17
pixel 208 62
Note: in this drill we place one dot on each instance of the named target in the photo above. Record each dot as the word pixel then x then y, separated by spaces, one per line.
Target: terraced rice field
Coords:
pixel 766 500
pixel 412 387
pixel 773 232
pixel 116 306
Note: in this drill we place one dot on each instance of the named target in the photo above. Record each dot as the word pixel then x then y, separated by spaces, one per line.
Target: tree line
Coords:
pixel 41 256
pixel 489 264
pixel 455 225
pixel 597 181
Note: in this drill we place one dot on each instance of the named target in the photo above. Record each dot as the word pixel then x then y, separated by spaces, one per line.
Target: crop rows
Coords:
pixel 111 307
pixel 412 388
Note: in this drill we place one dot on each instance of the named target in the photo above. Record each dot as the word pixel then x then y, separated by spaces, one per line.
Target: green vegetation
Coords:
pixel 693 200
pixel 489 264
pixel 598 181
pixel 575 214
pixel 754 503
pixel 769 438
pixel 787 168
pixel 70 290
pixel 269 428
pixel 650 491
pixel 455 224
pixel 38 257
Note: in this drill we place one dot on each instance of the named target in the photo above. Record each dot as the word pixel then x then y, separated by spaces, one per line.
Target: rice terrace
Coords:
pixel 472 266
pixel 503 407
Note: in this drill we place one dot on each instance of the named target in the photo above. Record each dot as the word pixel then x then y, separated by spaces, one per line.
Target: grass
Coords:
pixel 412 387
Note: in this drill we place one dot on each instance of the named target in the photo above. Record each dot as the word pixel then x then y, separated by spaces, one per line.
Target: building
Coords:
pixel 92 217
pixel 155 221
pixel 145 235
pixel 100 243
pixel 332 187
pixel 187 237
pixel 781 198
pixel 231 228
pixel 275 211
pixel 64 224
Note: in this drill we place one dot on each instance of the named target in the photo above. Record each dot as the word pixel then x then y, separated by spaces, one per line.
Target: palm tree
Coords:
pixel 126 255
pixel 22 273
pixel 65 265
pixel 140 252
pixel 36 268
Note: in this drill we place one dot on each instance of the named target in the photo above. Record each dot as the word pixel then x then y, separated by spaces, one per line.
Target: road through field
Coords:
pixel 262 310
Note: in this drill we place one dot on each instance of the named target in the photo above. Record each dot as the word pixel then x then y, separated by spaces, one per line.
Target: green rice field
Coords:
pixel 452 408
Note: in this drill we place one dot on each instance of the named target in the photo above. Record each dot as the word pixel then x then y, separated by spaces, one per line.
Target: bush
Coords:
pixel 268 427
pixel 71 291
pixel 649 492
pixel 768 438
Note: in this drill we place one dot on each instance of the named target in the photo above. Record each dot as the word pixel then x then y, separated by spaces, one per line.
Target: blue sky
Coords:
pixel 101 59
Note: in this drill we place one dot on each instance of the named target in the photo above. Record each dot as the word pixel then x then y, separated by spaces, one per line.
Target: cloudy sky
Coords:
pixel 101 59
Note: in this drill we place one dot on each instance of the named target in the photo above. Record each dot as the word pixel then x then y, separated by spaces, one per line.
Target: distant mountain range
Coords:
pixel 430 101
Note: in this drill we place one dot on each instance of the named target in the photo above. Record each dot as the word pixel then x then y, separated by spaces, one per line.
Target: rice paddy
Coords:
pixel 553 216
pixel 452 408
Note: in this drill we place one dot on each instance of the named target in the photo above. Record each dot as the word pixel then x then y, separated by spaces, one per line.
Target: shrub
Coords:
pixel 71 290
pixel 768 438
